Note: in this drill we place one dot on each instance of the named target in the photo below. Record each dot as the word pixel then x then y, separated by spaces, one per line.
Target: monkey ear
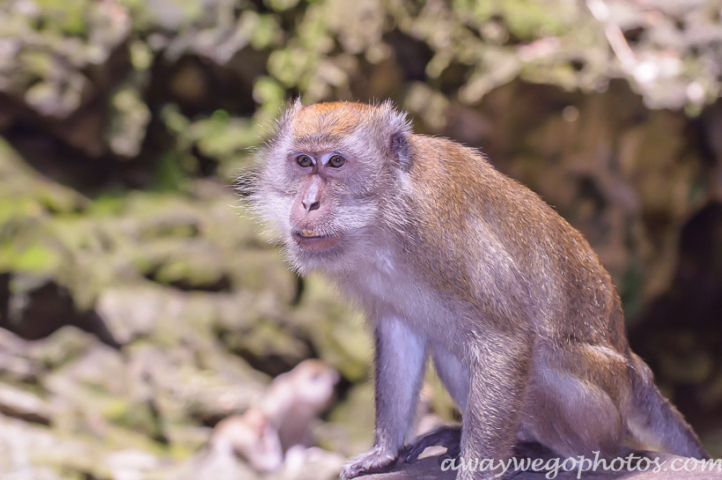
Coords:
pixel 400 147
pixel 399 128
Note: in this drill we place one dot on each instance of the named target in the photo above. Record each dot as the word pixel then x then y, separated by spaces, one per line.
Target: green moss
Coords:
pixel 68 16
pixel 33 258
pixel 265 30
pixel 171 172
pixel 136 416
pixel 630 291
pixel 129 119
pixel 221 136
pixel 280 5
pixel 267 339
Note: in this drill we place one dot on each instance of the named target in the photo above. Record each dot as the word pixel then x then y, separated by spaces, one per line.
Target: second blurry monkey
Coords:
pixel 265 432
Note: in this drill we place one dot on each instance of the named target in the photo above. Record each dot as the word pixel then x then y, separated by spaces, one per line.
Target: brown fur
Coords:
pixel 452 258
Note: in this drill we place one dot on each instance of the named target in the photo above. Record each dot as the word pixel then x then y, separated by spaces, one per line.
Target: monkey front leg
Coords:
pixel 400 361
pixel 499 374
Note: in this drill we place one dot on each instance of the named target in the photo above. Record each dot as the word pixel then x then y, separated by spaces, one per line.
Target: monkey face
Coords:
pixel 323 210
pixel 312 207
pixel 315 384
pixel 326 178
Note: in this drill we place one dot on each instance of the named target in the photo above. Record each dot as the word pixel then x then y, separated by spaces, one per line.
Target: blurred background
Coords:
pixel 139 303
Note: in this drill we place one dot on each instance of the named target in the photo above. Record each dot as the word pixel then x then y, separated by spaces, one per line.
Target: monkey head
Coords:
pixel 331 179
pixel 315 382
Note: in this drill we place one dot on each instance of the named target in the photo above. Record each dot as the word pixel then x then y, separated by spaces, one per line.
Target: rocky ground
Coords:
pixel 187 316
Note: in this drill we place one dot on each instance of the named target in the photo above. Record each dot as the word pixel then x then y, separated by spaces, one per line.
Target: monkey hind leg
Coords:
pixel 654 422
pixel 572 416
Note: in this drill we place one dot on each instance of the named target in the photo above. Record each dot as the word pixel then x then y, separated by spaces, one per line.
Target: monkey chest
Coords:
pixel 386 288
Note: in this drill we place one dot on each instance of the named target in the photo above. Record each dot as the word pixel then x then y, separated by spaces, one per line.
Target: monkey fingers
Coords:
pixel 447 436
pixel 376 460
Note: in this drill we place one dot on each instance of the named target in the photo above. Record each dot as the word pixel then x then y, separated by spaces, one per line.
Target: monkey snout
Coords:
pixel 309 212
pixel 311 194
pixel 310 226
pixel 310 229
pixel 310 205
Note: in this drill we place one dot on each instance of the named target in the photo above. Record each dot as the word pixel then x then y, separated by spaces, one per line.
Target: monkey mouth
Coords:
pixel 314 241
pixel 309 234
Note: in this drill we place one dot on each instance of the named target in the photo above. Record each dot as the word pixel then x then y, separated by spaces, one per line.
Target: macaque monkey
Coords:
pixel 264 433
pixel 452 259
pixel 294 399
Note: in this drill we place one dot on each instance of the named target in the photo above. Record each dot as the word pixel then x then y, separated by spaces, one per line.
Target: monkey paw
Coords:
pixel 448 436
pixel 376 460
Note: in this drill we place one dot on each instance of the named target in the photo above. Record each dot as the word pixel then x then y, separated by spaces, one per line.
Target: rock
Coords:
pixel 31 452
pixel 64 345
pixel 132 464
pixel 101 368
pixel 185 391
pixel 268 345
pixel 311 464
pixel 336 331
pixel 186 264
pixel 218 465
pixel 17 439
pixel 129 119
pixel 129 313
pixel 38 304
pixel 24 405
pixel 14 362
pixel 350 426
pixel 61 61
pixel 33 473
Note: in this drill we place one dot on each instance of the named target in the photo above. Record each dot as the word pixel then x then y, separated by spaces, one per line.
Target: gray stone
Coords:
pixel 129 313
pixel 13 358
pixel 24 405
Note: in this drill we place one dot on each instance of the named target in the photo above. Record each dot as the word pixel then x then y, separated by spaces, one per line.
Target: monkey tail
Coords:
pixel 655 422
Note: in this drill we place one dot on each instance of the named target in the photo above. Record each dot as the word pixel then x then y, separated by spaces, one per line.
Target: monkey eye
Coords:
pixel 336 161
pixel 304 161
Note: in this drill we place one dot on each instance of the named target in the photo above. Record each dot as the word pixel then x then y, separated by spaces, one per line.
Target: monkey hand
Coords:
pixel 447 436
pixel 376 460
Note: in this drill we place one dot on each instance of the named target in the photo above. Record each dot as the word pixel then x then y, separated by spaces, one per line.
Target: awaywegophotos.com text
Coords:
pixel 634 462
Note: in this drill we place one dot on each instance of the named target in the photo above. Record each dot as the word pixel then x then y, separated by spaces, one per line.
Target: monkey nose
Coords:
pixel 311 205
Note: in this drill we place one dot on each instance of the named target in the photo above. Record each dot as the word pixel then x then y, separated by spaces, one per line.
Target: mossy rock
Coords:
pixel 63 346
pixel 337 331
pixel 351 422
